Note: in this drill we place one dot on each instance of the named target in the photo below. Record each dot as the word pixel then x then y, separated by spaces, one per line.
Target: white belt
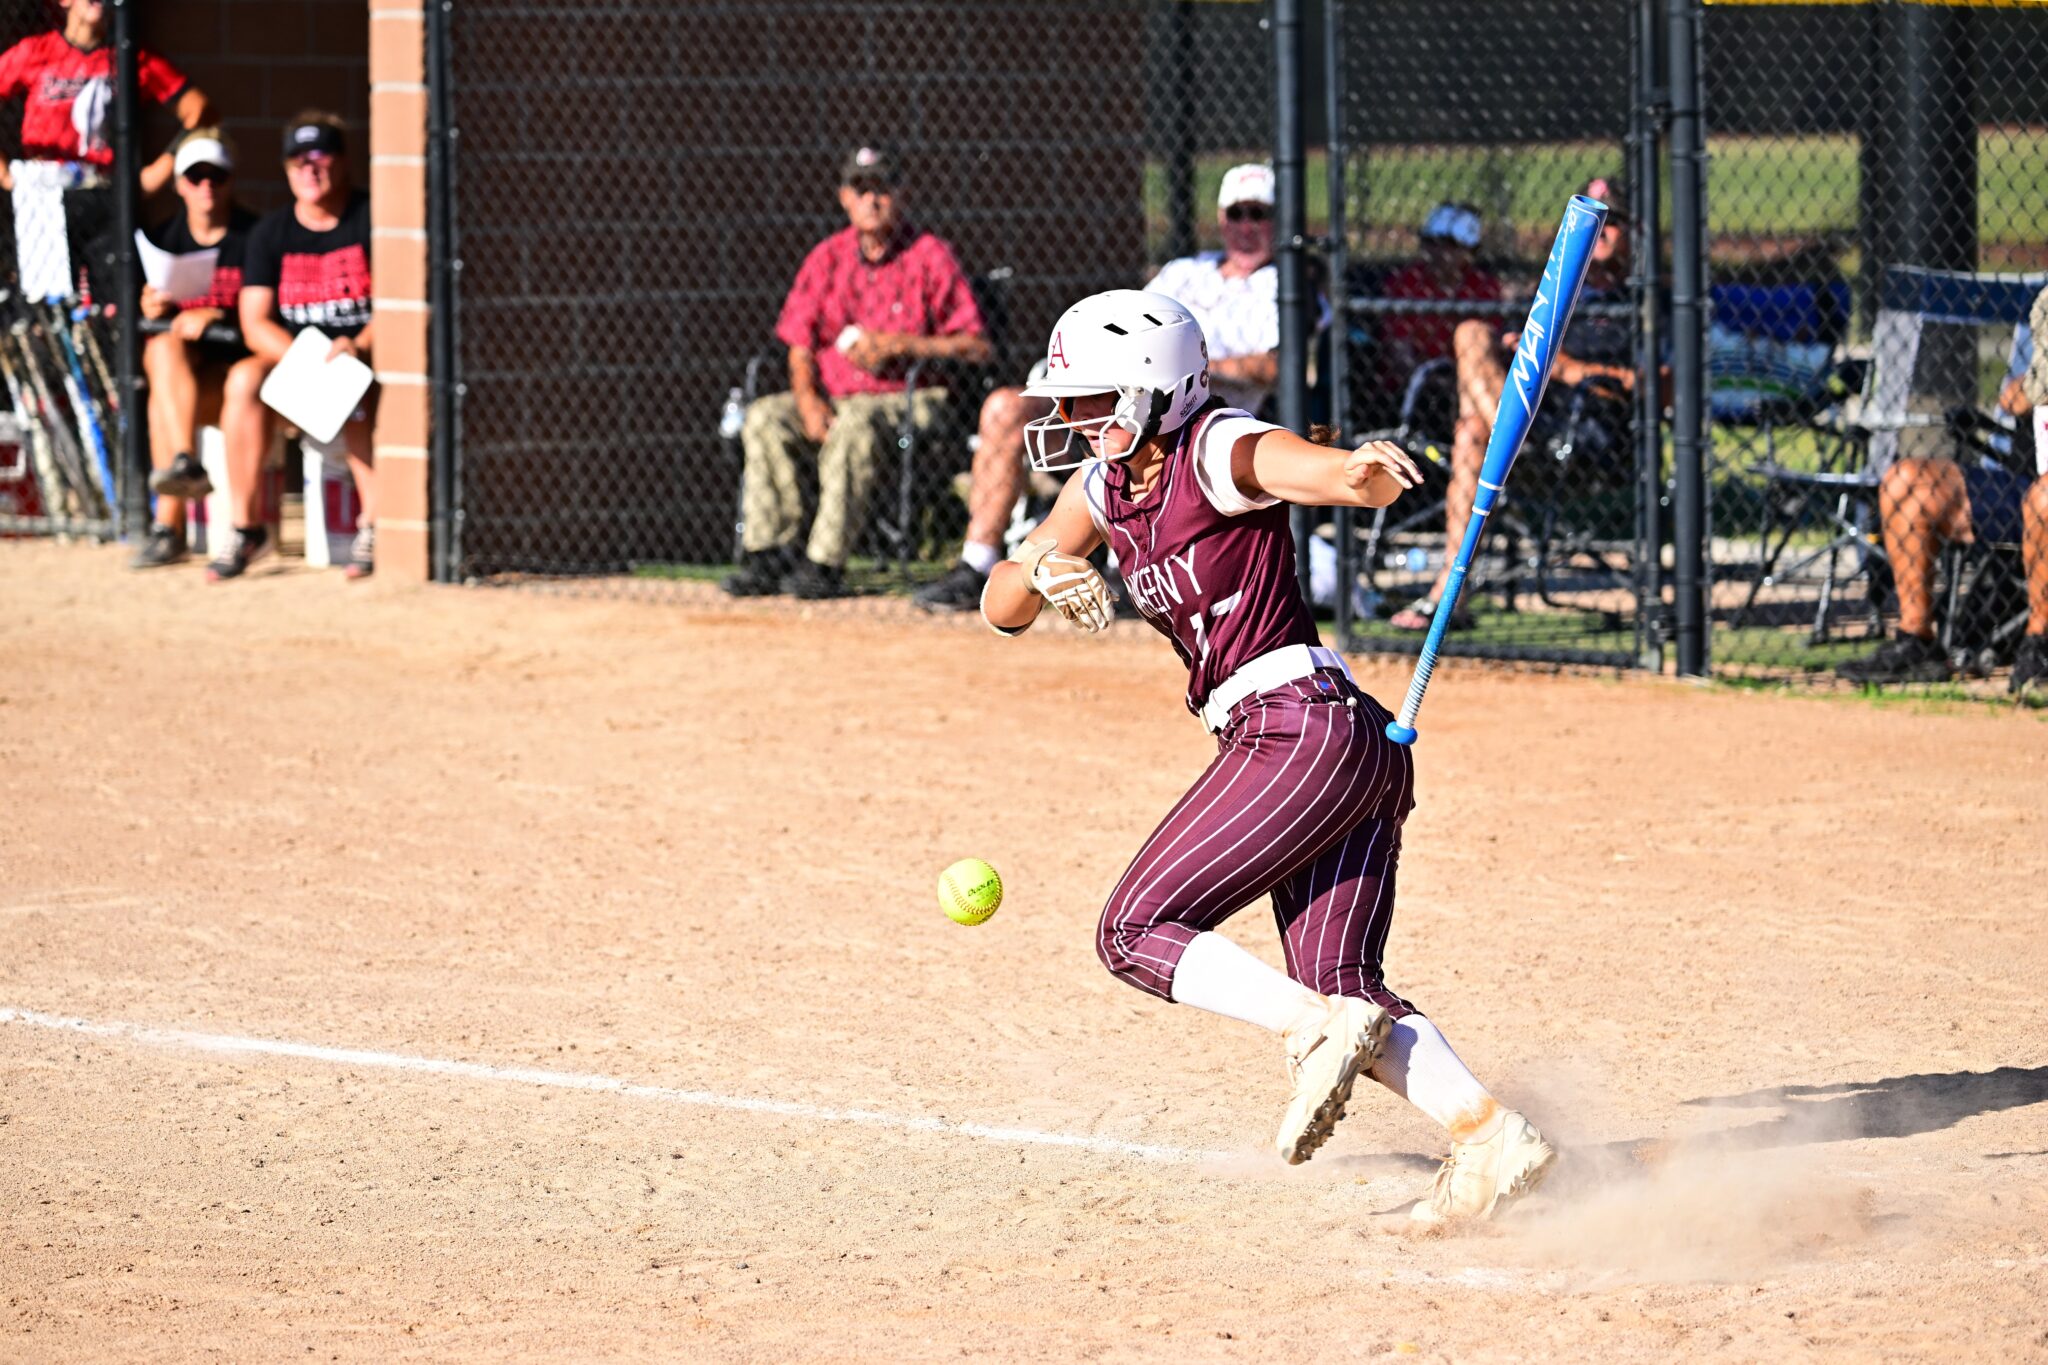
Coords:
pixel 1269 670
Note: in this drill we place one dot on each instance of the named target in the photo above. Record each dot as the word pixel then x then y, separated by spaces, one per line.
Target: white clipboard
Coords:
pixel 313 393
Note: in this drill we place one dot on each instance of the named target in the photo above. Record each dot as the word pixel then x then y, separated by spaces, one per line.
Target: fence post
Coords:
pixel 1688 376
pixel 1337 255
pixel 444 517
pixel 1646 132
pixel 1291 242
pixel 1180 138
pixel 131 474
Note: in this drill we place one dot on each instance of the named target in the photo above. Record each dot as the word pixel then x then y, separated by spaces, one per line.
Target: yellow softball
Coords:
pixel 969 891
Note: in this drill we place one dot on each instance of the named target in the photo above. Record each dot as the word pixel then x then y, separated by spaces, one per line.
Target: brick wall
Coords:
pixel 398 265
pixel 261 61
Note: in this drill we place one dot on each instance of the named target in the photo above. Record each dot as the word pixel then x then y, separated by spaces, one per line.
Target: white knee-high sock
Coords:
pixel 1420 1067
pixel 1216 975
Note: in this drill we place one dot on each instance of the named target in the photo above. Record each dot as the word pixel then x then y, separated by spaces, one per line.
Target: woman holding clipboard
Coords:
pixel 307 266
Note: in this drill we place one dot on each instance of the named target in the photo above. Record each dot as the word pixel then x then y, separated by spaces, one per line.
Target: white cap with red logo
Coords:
pixel 1251 183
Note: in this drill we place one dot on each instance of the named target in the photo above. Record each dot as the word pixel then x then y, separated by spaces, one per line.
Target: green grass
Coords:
pixel 1926 698
pixel 1756 187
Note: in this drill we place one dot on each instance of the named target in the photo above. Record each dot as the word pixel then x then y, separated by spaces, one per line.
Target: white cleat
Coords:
pixel 1481 1179
pixel 1324 1058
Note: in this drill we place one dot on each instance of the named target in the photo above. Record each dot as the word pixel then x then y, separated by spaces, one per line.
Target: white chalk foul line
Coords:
pixel 184 1040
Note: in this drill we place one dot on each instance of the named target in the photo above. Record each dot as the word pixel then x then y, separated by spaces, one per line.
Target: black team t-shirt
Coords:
pixel 175 236
pixel 322 279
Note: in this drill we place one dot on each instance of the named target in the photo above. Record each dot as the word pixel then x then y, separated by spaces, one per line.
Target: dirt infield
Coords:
pixel 575 886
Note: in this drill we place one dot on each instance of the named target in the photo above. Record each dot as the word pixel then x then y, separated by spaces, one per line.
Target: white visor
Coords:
pixel 202 151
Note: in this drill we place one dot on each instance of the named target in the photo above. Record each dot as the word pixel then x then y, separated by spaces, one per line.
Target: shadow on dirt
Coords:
pixel 1899 1106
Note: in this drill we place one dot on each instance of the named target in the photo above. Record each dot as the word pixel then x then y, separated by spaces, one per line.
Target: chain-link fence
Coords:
pixel 1463 130
pixel 61 465
pixel 638 189
pixel 1878 219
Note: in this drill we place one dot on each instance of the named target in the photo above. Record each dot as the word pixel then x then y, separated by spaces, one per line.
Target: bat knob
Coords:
pixel 1399 733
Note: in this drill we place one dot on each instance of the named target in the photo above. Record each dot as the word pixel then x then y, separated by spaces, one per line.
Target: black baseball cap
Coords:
pixel 868 165
pixel 301 138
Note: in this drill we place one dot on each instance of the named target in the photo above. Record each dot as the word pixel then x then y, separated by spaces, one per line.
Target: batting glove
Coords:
pixel 1068 582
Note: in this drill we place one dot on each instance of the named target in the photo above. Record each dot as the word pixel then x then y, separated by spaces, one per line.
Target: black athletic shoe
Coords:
pixel 959 590
pixel 2030 666
pixel 761 575
pixel 185 478
pixel 810 582
pixel 166 545
pixel 245 547
pixel 1903 659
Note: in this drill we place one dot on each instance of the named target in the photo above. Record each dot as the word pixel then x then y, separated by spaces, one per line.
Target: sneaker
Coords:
pixel 1324 1057
pixel 959 590
pixel 165 545
pixel 809 582
pixel 362 555
pixel 245 547
pixel 760 575
pixel 1479 1180
pixel 1902 659
pixel 2030 666
pixel 185 477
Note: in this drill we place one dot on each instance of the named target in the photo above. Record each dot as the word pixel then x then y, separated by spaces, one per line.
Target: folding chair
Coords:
pixel 1572 452
pixel 1924 365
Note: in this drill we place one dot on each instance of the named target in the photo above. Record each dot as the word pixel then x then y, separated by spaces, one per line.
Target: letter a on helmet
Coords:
pixel 1145 348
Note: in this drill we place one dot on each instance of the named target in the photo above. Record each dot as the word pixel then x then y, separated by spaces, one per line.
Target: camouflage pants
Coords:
pixel 772 490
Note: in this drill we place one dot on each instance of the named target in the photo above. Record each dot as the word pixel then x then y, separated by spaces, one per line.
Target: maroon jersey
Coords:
pixel 1211 569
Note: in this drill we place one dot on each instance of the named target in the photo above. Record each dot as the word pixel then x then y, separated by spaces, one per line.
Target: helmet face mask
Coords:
pixel 1146 349
pixel 1132 412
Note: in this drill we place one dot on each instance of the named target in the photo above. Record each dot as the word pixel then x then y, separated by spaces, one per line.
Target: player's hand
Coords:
pixel 154 304
pixel 191 324
pixel 816 415
pixel 344 346
pixel 1068 582
pixel 1382 471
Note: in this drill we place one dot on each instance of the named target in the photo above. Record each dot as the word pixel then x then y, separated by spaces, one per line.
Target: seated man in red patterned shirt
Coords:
pixel 187 372
pixel 869 301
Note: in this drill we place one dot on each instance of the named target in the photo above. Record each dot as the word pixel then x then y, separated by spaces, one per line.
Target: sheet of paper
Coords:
pixel 40 246
pixel 313 393
pixel 181 278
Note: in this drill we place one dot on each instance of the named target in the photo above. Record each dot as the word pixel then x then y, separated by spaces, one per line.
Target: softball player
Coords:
pixel 1306 797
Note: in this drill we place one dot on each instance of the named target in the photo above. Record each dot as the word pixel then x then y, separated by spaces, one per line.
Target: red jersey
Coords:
pixel 51 73
pixel 917 288
pixel 1429 337
pixel 1212 570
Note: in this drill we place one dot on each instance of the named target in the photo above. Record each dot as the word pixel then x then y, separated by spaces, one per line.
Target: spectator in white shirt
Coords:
pixel 1234 293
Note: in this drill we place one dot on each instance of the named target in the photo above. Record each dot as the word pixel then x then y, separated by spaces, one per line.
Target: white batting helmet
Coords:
pixel 1147 349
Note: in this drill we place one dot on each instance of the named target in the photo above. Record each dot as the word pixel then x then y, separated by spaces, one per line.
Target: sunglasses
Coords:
pixel 1240 213
pixel 304 159
pixel 206 175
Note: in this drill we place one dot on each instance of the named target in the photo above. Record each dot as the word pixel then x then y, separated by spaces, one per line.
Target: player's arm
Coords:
pixel 1276 463
pixel 1044 569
